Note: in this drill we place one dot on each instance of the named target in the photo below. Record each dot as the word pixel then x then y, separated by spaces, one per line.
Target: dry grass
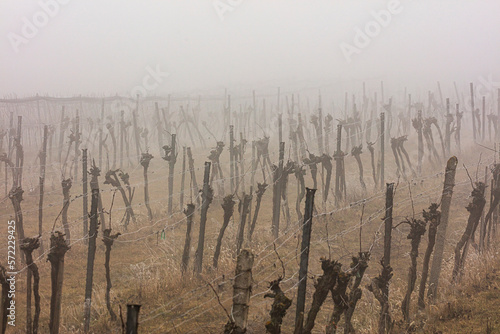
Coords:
pixel 146 269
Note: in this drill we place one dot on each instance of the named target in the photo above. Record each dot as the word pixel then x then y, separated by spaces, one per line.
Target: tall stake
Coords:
pixel 132 318
pixel 472 110
pixel 449 120
pixel 437 259
pixel 388 223
pixel 483 119
pixel 231 157
pixel 77 134
pixel 91 256
pixel 85 196
pixel 242 289
pixel 171 165
pixel 183 177
pixel 382 150
pixel 43 160
pixel 101 130
pixel 277 175
pixel 304 260
pixel 136 129
pixel 338 165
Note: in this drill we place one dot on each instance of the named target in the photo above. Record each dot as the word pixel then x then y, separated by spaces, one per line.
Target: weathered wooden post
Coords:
pixel 62 128
pixel 379 285
pixel 449 183
pixel 382 149
pixel 58 248
pixel 231 157
pixel 498 115
pixel 339 162
pixel 132 319
pixel 242 289
pixel 136 129
pixel 388 223
pixel 473 110
pixel 43 161
pixel 91 256
pixel 458 116
pixel 122 136
pixel 192 173
pixel 171 157
pixel 189 212
pixel 483 119
pixel 101 130
pixel 159 128
pixel 418 125
pixel 183 177
pixel 77 133
pixel 304 260
pixel 206 196
pixel 449 120
pixel 85 210
pixel 277 175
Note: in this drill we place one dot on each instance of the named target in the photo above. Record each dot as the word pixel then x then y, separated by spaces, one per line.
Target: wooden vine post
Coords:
pixel 382 149
pixel 91 255
pixel 136 129
pixel 339 161
pixel 231 156
pixel 77 134
pixel 189 212
pixel 449 183
pixel 379 285
pixel 277 175
pixel 132 326
pixel 183 177
pixel 304 260
pixel 171 157
pixel 473 111
pixel 85 213
pixel 101 130
pixel 242 289
pixel 41 183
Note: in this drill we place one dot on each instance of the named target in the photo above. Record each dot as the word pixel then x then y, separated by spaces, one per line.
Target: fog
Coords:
pixel 103 48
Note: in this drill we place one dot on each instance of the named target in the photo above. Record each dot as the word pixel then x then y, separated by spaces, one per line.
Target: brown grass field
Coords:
pixel 145 268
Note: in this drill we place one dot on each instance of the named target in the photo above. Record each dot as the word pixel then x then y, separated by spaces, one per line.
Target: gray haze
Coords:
pixel 106 47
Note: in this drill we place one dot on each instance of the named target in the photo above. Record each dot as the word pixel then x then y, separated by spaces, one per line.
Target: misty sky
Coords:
pixel 107 47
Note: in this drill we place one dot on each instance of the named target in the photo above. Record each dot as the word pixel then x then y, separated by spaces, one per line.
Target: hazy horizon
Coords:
pixel 207 46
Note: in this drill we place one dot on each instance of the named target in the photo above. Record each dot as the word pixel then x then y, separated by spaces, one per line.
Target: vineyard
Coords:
pixel 262 213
